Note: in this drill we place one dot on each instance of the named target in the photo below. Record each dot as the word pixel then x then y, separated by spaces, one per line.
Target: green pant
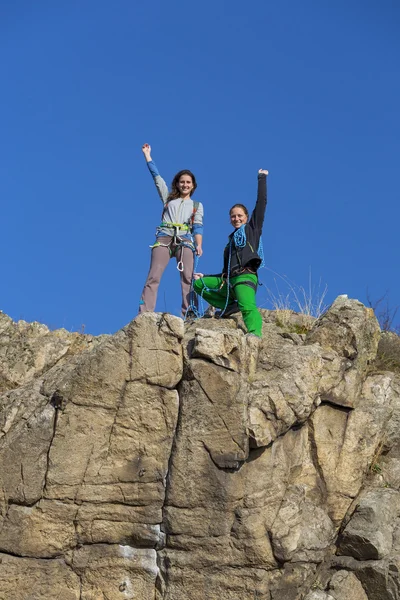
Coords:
pixel 244 294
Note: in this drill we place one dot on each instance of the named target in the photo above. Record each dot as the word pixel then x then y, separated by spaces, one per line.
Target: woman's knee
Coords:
pixel 186 278
pixel 155 275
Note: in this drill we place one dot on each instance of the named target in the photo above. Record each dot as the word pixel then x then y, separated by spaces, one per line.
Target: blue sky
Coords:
pixel 309 90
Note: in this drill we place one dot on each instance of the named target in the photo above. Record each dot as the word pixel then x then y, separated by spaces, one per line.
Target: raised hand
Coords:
pixel 197 275
pixel 146 149
pixel 263 171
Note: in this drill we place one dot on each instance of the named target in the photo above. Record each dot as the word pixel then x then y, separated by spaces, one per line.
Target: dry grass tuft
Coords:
pixel 309 301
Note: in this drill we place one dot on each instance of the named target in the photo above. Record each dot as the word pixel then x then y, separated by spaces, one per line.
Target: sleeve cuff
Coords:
pixel 153 169
pixel 197 229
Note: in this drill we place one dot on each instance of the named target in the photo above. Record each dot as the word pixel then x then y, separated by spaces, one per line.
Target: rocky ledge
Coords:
pixel 190 462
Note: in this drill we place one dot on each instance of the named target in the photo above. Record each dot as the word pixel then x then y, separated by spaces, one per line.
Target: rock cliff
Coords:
pixel 190 462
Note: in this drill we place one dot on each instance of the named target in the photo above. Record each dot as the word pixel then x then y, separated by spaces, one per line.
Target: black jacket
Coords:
pixel 247 257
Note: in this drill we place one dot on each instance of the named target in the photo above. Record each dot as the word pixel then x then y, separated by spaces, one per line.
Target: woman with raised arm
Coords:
pixel 179 234
pixel 235 288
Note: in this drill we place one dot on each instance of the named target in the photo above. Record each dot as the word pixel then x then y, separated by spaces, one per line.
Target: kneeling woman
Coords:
pixel 235 289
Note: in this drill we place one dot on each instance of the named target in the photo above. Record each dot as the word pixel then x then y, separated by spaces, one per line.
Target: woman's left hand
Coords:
pixel 263 171
pixel 199 250
pixel 198 275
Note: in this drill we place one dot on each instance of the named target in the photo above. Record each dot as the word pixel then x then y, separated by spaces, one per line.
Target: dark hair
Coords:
pixel 242 206
pixel 175 193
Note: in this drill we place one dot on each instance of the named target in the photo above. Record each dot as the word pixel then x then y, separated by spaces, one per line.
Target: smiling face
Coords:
pixel 185 185
pixel 238 215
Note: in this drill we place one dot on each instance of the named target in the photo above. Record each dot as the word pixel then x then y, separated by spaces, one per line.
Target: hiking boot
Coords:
pixel 231 309
pixel 190 316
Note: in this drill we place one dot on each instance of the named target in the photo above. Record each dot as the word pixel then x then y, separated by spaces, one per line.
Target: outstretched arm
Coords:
pixel 161 186
pixel 257 217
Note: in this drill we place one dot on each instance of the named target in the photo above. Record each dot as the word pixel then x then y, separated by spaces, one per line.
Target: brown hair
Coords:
pixel 242 206
pixel 175 193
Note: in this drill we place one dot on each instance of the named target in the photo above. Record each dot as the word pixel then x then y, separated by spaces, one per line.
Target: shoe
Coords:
pixel 231 309
pixel 189 317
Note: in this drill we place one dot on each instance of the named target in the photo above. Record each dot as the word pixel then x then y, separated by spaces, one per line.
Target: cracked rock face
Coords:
pixel 164 464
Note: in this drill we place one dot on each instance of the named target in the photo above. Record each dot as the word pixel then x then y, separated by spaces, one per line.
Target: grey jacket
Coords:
pixel 176 211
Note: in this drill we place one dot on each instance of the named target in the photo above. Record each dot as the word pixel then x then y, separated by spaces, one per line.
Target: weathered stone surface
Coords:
pixel 379 578
pixel 288 385
pixel 226 348
pixel 318 595
pixel 389 467
pixel 84 454
pixel 27 431
pixel 29 349
pixel 44 530
pixel 344 585
pixel 387 462
pixel 220 414
pixel 156 348
pixel 230 524
pixel 352 331
pixel 221 347
pixel 348 328
pixel 369 533
pixel 202 464
pixel 232 584
pixel 118 524
pixel 115 572
pixel 109 448
pixel 346 441
pixel 293 377
pixel 28 578
pixel 292 581
pixel 284 391
pixel 302 531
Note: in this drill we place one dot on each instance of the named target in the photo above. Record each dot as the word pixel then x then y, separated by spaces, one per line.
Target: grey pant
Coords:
pixel 160 256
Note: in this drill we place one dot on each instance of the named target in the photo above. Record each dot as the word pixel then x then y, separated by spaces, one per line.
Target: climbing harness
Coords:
pixel 247 282
pixel 183 244
pixel 180 226
pixel 177 241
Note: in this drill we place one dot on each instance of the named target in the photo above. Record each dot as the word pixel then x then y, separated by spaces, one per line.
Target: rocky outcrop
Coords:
pixel 191 462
